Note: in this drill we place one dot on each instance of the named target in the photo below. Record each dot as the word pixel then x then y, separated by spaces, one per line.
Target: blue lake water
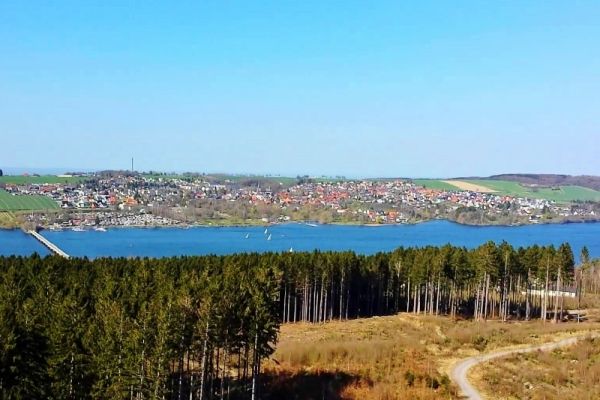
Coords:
pixel 19 243
pixel 160 242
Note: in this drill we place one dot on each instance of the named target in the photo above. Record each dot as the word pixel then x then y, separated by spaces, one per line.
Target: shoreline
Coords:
pixel 367 225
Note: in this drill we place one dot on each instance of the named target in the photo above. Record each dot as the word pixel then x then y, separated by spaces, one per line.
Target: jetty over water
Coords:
pixel 51 246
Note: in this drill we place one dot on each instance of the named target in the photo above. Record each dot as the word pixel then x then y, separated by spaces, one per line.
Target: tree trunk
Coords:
pixel 437 299
pixel 408 296
pixel 203 362
pixel 545 306
pixel 341 294
pixel 556 291
pixel 254 365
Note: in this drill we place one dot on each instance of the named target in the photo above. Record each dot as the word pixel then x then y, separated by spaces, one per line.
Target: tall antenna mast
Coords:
pixel 132 165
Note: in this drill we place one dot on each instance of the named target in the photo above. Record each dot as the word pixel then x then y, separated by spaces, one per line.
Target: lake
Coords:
pixel 160 242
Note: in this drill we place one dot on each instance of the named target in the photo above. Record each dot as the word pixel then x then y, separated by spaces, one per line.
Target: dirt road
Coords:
pixel 460 370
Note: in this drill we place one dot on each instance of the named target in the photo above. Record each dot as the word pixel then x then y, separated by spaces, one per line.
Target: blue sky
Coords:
pixel 420 89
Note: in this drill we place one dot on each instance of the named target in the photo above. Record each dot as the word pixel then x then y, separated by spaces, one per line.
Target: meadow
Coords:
pixel 39 179
pixel 404 356
pixel 563 194
pixel 434 184
pixel 9 202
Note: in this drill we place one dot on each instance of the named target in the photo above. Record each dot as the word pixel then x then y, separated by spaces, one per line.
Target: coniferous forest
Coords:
pixel 198 327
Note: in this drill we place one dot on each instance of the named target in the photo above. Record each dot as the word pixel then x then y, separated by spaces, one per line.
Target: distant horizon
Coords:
pixel 19 171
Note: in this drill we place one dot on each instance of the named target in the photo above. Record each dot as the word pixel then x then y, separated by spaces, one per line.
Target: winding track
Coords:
pixel 460 369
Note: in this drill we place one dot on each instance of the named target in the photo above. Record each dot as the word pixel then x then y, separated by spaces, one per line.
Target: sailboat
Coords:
pixel 247 235
pixel 291 249
pixel 266 230
pixel 269 238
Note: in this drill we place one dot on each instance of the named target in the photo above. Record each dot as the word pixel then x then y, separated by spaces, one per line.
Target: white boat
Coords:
pixel 100 229
pixel 78 229
pixel 291 249
pixel 266 231
pixel 269 238
pixel 311 224
pixel 247 235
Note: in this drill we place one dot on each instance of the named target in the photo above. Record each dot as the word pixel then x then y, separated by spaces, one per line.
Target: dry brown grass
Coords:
pixel 396 357
pixel 8 220
pixel 590 302
pixel 567 373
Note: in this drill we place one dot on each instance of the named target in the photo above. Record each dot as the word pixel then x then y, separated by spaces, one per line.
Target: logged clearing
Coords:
pixel 403 356
pixel 473 187
pixel 566 373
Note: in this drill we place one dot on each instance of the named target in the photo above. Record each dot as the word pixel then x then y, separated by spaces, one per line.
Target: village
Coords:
pixel 132 199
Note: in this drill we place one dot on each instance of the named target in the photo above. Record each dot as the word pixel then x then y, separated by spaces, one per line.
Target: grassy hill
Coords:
pixel 588 181
pixel 556 193
pixel 434 184
pixel 563 193
pixel 9 202
pixel 39 179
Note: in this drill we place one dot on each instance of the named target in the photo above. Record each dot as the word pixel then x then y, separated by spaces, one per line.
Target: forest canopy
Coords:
pixel 198 327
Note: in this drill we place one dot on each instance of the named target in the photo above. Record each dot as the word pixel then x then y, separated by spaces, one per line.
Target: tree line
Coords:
pixel 177 328
pixel 198 327
pixel 491 281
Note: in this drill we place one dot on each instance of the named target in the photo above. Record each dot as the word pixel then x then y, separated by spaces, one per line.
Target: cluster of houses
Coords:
pixel 381 201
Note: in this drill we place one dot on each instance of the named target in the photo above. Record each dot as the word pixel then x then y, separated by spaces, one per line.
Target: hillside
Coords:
pixel 559 193
pixel 588 181
pixel 559 188
pixel 9 202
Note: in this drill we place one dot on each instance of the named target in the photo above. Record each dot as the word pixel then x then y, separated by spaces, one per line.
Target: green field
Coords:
pixel 8 202
pixel 29 179
pixel 434 184
pixel 563 194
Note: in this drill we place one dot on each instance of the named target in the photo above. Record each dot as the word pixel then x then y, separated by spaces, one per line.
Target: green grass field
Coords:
pixel 564 194
pixel 24 180
pixel 434 184
pixel 8 202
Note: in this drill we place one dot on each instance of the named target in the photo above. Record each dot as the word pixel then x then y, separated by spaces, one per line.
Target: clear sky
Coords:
pixel 421 89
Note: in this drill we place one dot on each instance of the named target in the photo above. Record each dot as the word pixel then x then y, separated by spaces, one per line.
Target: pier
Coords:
pixel 51 246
